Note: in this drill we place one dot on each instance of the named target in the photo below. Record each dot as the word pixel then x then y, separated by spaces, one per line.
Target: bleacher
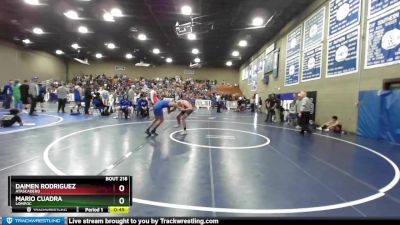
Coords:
pixel 228 90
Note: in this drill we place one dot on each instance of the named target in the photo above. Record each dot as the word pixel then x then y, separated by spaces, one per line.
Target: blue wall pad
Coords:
pixel 378 115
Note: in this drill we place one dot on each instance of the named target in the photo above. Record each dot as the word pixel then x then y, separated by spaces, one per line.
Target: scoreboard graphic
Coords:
pixel 85 194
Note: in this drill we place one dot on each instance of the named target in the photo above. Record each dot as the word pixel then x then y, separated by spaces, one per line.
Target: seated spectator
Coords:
pixel 125 106
pixel 142 107
pixel 98 104
pixel 332 125
pixel 11 118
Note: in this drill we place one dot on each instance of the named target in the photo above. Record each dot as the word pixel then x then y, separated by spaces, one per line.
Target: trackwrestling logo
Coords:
pixel 33 220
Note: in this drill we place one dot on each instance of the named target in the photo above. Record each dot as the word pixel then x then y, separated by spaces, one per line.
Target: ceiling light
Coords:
pixel 59 52
pixel 75 46
pixel 197 60
pixel 111 45
pixel 83 30
pixel 142 37
pixel 71 14
pixel 32 2
pixel 195 51
pixel 37 30
pixel 229 63
pixel 116 12
pixel 191 36
pixel 168 60
pixel 258 21
pixel 186 10
pixel 108 17
pixel 26 41
pixel 99 55
pixel 129 56
pixel 235 53
pixel 156 51
pixel 242 43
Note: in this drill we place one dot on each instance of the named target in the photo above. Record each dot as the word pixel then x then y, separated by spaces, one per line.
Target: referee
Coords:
pixel 305 111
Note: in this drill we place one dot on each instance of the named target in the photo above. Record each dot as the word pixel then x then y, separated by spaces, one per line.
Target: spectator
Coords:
pixel 259 107
pixel 253 103
pixel 24 89
pixel 33 95
pixel 42 93
pixel 17 95
pixel 11 118
pixel 98 104
pixel 332 125
pixel 143 107
pixel 88 98
pixel 269 106
pixel 278 110
pixel 125 107
pixel 8 94
pixel 62 95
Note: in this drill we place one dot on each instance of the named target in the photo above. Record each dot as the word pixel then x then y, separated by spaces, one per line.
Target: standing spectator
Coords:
pixel 269 106
pixel 33 95
pixel 105 95
pixel 277 107
pixel 88 98
pixel 253 103
pixel 305 109
pixel 131 94
pixel 62 94
pixel 8 94
pixel 42 93
pixel 24 89
pixel 298 109
pixel 259 107
pixel 17 95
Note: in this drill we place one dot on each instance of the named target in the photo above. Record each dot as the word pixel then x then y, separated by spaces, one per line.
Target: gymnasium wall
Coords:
pixel 219 74
pixel 19 63
pixel 336 95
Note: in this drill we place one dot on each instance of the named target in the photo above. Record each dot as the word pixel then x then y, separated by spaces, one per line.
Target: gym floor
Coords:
pixel 229 164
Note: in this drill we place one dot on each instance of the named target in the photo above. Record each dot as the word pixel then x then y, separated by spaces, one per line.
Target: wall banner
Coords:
pixel 383 40
pixel 377 7
pixel 343 14
pixel 312 63
pixel 314 29
pixel 343 54
pixel 293 45
pixel 292 71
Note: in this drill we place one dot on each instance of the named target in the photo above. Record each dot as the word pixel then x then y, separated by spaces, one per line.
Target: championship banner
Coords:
pixel 245 73
pixel 314 29
pixel 377 7
pixel 383 40
pixel 293 44
pixel 275 68
pixel 261 64
pixel 312 63
pixel 292 71
pixel 343 14
pixel 269 63
pixel 253 78
pixel 343 54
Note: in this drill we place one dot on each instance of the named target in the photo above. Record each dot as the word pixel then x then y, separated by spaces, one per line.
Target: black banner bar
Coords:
pixel 217 221
pixel 44 209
